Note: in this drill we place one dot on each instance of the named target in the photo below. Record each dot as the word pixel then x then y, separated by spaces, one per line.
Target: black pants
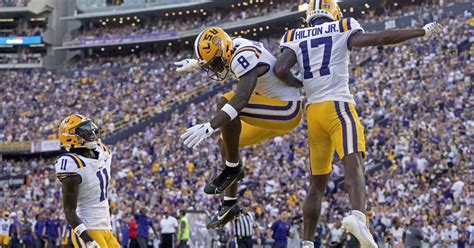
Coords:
pixel 244 242
pixel 133 243
pixel 166 240
pixel 183 244
pixel 142 242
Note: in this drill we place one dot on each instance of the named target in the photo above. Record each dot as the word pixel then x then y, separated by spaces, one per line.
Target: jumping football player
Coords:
pixel 84 172
pixel 261 107
pixel 322 54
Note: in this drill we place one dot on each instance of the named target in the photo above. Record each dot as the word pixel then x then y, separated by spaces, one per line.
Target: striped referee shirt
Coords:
pixel 243 226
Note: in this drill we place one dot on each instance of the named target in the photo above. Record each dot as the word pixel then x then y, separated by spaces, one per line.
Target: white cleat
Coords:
pixel 359 229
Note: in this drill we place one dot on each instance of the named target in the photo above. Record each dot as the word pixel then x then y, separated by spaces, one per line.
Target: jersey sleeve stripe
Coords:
pixel 284 37
pixel 289 35
pixel 253 49
pixel 349 23
pixel 341 28
pixel 344 25
pixel 79 162
pixel 293 32
pixel 105 148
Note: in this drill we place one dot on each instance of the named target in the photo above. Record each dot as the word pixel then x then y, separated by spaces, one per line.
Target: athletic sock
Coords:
pixel 232 167
pixel 229 201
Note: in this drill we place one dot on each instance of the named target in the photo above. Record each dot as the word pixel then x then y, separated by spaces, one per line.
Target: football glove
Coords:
pixel 432 27
pixel 186 65
pixel 92 244
pixel 196 134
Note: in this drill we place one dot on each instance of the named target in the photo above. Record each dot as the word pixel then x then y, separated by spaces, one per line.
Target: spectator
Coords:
pixel 52 231
pixel 14 232
pixel 413 235
pixel 168 225
pixel 124 233
pixel 396 233
pixel 143 224
pixel 280 231
pixel 27 238
pixel 4 228
pixel 39 230
pixel 132 227
pixel 183 230
pixel 336 235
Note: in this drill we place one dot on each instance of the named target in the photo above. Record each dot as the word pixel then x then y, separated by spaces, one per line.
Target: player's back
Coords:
pixel 92 204
pixel 323 58
pixel 249 54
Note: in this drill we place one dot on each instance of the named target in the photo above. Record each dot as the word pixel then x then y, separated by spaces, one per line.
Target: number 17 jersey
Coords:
pixel 323 58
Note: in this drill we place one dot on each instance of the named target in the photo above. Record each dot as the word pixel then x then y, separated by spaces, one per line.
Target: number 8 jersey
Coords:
pixel 92 204
pixel 323 58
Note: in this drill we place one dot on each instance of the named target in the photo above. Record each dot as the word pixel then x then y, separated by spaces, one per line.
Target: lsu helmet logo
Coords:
pixel 77 131
pixel 323 8
pixel 213 51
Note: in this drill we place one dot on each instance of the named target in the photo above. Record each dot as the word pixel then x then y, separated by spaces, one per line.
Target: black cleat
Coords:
pixel 225 215
pixel 223 181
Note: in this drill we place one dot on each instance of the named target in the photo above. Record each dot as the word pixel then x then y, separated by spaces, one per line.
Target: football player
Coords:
pixel 321 51
pixel 261 107
pixel 84 172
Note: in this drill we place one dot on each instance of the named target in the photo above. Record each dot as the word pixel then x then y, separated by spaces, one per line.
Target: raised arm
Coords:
pixel 390 37
pixel 282 68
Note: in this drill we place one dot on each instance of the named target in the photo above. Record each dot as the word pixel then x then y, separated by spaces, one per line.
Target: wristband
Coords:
pixel 80 229
pixel 229 110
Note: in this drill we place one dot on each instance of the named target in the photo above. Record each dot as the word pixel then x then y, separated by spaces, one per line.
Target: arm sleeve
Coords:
pixel 65 167
pixel 244 60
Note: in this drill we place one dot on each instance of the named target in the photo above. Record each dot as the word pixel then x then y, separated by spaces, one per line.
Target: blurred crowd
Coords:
pixel 21 58
pixel 111 94
pixel 414 100
pixel 13 3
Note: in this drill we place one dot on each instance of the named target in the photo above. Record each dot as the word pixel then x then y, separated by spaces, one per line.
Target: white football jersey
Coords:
pixel 249 54
pixel 323 58
pixel 5 226
pixel 92 204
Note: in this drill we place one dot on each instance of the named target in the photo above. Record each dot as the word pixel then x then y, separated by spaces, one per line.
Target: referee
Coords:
pixel 243 229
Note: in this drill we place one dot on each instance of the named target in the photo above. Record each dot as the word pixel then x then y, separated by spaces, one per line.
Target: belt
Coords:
pixel 244 237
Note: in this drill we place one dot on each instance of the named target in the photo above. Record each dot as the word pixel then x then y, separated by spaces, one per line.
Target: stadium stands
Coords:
pixel 414 101
pixel 136 26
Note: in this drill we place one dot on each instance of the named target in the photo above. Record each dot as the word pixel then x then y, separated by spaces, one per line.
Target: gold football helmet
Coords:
pixel 213 51
pixel 323 8
pixel 77 131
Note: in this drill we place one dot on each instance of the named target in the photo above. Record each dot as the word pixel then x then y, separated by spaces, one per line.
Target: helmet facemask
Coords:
pixel 88 132
pixel 216 68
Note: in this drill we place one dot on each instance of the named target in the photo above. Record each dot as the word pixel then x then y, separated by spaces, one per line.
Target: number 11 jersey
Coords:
pixel 92 204
pixel 323 58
